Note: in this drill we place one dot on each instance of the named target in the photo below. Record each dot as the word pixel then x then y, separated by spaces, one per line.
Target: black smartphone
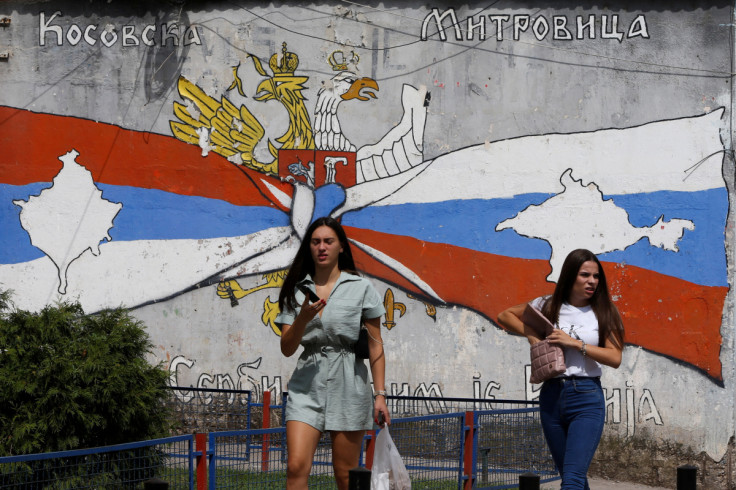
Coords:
pixel 309 293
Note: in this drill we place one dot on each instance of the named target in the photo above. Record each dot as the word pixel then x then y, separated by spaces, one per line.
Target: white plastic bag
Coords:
pixel 388 471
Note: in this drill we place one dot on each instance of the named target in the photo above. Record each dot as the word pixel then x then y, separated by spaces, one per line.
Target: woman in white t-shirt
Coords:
pixel 591 333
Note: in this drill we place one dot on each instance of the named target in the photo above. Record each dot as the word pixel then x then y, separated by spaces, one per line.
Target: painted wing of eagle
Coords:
pixel 234 132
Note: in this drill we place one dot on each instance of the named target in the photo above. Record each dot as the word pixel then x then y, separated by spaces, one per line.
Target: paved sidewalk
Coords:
pixel 601 484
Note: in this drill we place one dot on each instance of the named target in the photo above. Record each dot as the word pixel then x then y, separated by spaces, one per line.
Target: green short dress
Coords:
pixel 329 388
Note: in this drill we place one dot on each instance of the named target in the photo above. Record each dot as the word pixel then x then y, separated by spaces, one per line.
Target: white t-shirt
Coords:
pixel 581 324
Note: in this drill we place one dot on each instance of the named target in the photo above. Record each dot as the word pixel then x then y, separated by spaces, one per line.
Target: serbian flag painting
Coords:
pixel 181 218
pixel 113 217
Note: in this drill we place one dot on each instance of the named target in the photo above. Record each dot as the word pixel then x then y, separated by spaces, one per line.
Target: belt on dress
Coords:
pixel 322 349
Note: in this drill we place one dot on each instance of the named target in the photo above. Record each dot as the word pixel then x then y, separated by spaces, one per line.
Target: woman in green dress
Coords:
pixel 329 390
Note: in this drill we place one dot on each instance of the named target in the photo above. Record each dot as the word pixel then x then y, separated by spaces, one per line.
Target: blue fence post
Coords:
pixel 265 424
pixel 687 476
pixel 212 470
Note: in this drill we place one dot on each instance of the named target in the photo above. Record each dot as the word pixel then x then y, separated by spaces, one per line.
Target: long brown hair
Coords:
pixel 303 263
pixel 610 324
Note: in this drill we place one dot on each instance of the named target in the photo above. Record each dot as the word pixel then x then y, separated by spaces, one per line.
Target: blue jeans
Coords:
pixel 573 412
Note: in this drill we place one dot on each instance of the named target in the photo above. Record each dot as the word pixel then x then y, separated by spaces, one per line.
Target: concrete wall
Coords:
pixel 168 157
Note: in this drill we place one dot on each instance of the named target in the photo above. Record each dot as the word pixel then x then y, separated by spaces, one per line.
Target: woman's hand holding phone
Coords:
pixel 310 310
pixel 309 293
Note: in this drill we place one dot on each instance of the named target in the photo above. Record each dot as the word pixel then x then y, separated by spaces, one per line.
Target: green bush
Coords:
pixel 70 380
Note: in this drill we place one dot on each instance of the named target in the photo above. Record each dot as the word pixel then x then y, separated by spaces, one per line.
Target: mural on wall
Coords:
pixel 626 194
pixel 261 129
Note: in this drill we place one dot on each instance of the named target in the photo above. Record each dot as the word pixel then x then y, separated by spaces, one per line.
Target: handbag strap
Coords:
pixel 371 336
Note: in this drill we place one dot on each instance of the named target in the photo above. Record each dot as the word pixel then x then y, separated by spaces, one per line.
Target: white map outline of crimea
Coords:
pixel 68 218
pixel 579 217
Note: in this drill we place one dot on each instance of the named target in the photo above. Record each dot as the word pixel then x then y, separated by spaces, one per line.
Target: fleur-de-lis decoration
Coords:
pixel 391 306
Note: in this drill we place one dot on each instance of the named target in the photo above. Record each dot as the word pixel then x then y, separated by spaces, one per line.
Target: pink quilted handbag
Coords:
pixel 548 360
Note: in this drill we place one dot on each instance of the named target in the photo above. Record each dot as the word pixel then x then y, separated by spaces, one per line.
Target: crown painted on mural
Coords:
pixel 288 64
pixel 339 62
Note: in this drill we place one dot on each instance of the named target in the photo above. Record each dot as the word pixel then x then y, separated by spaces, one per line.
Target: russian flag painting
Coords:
pixel 488 226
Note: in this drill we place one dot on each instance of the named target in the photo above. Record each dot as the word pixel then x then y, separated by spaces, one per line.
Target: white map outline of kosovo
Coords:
pixel 579 217
pixel 68 218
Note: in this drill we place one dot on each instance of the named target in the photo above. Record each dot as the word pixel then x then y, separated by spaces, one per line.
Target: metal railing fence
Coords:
pixel 432 448
pixel 257 459
pixel 199 410
pixel 110 467
pixel 247 459
pixel 203 410
pixel 444 443
pixel 413 406
pixel 445 449
pixel 510 442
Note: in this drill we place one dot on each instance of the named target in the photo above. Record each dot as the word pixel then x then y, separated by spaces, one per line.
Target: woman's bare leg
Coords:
pixel 345 454
pixel 301 443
